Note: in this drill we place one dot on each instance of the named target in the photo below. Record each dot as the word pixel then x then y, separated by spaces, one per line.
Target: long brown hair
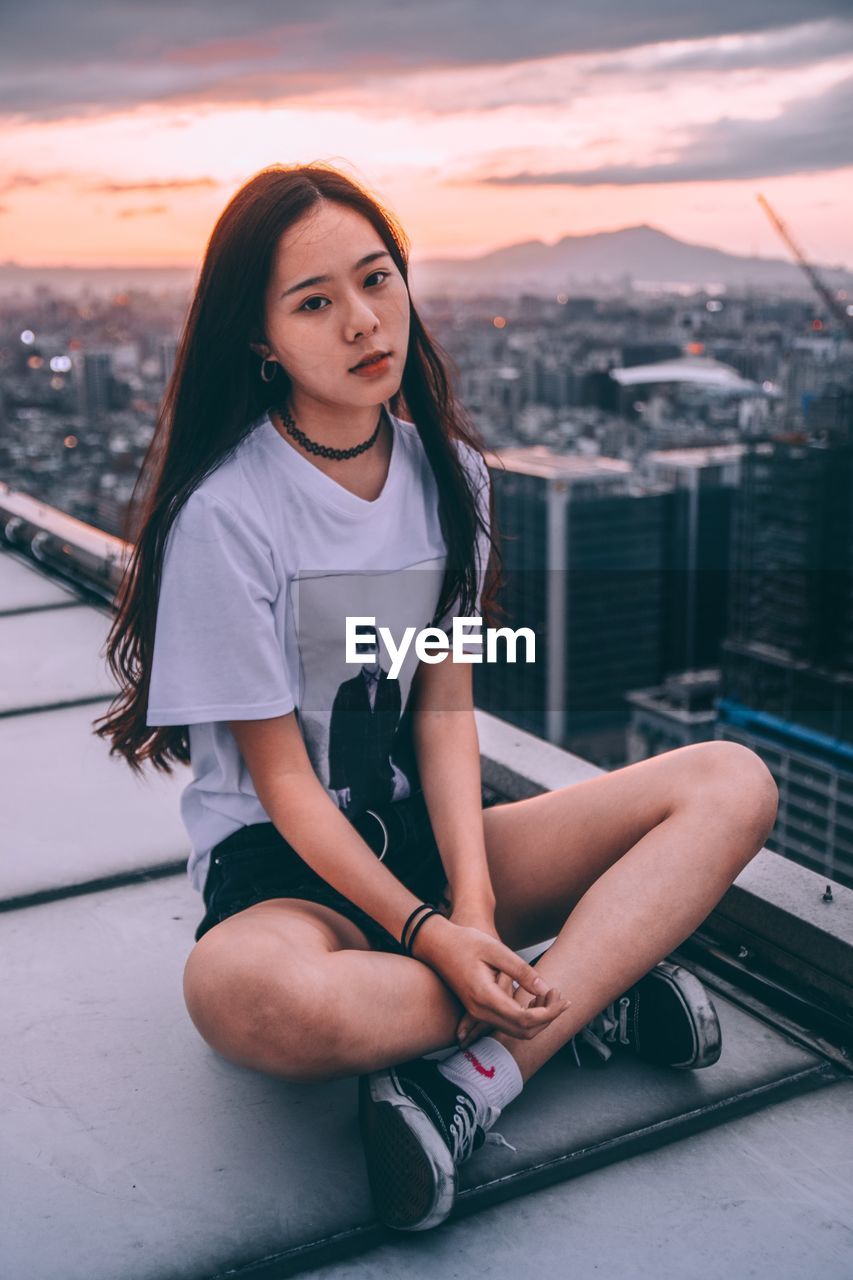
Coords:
pixel 214 397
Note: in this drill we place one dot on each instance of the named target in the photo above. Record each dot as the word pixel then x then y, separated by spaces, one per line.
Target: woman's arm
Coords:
pixel 447 749
pixel 310 821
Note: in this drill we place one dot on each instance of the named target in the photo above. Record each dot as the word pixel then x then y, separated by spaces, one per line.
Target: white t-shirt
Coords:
pixel 262 565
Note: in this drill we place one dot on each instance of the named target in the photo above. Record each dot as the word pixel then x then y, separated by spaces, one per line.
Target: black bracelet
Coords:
pixel 420 907
pixel 425 916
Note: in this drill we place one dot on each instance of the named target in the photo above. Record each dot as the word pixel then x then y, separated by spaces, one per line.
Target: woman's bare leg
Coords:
pixel 639 911
pixel 293 989
pixel 635 913
pixel 636 859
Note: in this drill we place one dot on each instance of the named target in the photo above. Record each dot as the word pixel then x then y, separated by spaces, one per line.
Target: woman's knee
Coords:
pixel 256 1002
pixel 741 784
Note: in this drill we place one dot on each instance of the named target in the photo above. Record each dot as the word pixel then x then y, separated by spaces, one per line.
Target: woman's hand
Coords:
pixel 470 1028
pixel 467 953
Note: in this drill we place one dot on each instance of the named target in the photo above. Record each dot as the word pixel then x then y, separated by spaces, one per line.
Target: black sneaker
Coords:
pixel 667 1017
pixel 417 1127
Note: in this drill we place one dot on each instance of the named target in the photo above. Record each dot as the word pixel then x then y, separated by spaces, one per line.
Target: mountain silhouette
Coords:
pixel 603 261
pixel 632 255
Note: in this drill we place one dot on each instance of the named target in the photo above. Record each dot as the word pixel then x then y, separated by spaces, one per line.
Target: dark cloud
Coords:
pixel 811 135
pixel 64 57
pixel 773 50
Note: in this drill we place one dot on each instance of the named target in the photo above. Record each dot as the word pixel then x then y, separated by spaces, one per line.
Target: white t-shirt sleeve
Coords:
pixel 478 474
pixel 217 655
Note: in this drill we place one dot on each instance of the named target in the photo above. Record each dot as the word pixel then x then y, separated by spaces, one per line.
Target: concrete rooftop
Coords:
pixel 131 1151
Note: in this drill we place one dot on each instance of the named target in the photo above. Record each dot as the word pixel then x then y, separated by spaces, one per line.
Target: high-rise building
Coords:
pixel 95 374
pixel 583 546
pixel 787 687
pixel 704 481
pixel 680 711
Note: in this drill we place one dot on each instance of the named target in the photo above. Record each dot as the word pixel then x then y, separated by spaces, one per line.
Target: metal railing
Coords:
pixel 61 544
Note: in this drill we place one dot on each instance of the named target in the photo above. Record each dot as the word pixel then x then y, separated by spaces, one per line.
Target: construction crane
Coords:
pixel 835 305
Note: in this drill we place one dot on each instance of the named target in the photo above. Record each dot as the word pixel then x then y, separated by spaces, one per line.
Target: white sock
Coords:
pixel 489 1073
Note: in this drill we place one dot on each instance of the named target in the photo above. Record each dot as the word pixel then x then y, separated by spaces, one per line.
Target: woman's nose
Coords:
pixel 361 314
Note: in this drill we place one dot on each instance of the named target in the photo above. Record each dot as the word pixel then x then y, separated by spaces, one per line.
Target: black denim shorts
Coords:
pixel 256 863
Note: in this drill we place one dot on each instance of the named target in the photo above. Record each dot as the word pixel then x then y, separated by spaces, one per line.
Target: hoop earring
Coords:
pixel 264 364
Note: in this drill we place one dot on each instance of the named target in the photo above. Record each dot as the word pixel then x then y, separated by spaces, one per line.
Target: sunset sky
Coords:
pixel 127 127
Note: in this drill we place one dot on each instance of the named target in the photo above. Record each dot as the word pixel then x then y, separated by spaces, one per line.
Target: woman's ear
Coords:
pixel 260 349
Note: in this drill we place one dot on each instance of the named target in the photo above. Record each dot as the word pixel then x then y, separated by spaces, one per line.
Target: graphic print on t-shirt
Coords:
pixel 352 715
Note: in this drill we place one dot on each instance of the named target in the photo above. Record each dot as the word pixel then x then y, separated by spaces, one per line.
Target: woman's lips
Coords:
pixel 374 369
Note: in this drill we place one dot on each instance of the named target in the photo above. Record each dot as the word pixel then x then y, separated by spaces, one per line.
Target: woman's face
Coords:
pixel 318 331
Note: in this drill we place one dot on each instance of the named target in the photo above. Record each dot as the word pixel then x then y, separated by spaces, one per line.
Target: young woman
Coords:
pixel 363 906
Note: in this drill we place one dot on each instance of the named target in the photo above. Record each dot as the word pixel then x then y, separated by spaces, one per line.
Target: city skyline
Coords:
pixel 121 145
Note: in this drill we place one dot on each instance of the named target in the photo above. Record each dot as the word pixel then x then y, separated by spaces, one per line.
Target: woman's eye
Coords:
pixel 319 298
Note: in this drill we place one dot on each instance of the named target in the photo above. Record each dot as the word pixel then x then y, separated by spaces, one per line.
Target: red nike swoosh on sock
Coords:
pixel 484 1071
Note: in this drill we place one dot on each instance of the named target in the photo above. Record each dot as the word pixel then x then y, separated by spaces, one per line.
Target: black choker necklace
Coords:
pixel 325 450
